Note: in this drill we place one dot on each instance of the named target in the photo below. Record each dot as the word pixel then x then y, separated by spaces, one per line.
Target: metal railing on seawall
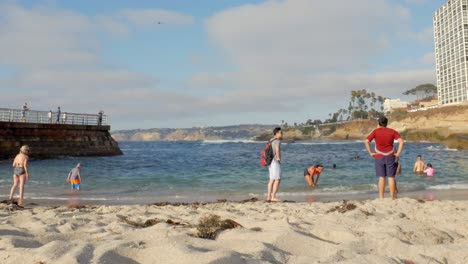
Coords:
pixel 45 117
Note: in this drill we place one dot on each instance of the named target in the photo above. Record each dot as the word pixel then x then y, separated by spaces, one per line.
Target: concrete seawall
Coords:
pixel 52 140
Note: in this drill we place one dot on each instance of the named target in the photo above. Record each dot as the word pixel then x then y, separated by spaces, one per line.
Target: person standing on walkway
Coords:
pixel 49 115
pixel 23 112
pixel 20 173
pixel 384 156
pixel 100 117
pixel 275 167
pixel 59 112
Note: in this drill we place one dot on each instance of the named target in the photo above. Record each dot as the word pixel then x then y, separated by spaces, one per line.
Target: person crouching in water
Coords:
pixel 74 178
pixel 310 172
pixel 20 174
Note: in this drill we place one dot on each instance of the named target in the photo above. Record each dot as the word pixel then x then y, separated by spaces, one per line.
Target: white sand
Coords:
pixel 377 231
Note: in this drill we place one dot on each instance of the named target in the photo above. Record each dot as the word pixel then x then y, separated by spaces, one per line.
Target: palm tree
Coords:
pixel 354 94
pixel 381 100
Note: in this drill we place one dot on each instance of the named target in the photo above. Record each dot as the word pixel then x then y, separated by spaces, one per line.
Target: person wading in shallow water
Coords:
pixel 419 165
pixel 310 172
pixel 20 174
pixel 384 156
pixel 74 178
pixel 275 166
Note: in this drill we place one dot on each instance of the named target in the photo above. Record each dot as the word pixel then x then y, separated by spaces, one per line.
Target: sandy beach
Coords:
pixel 373 231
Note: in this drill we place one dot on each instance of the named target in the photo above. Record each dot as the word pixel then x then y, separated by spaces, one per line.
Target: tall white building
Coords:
pixel 451 51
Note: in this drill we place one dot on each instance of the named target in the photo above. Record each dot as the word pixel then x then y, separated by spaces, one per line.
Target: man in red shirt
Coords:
pixel 385 157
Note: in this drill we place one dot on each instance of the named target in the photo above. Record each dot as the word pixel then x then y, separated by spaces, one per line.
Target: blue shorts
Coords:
pixel 75 186
pixel 385 166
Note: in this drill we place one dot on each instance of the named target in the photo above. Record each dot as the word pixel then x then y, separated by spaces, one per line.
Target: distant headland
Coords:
pixel 447 125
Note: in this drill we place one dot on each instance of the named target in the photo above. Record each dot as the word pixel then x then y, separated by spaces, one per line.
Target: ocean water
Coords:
pixel 210 170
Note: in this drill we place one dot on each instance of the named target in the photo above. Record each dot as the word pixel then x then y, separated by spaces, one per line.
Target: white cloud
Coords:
pixel 416 2
pixel 295 59
pixel 43 38
pixel 304 88
pixel 47 37
pixel 303 35
pixel 295 52
pixel 53 57
pixel 429 59
pixel 425 36
pixel 155 17
pixel 112 26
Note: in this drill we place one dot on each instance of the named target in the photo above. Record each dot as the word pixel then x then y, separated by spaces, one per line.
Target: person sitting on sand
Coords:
pixel 20 174
pixel 419 165
pixel 310 172
pixel 429 170
pixel 74 178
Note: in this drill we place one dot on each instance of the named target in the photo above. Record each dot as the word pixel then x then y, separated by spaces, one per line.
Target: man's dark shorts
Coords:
pixel 385 166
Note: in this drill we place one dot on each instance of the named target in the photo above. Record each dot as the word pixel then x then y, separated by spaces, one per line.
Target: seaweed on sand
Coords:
pixel 343 208
pixel 210 226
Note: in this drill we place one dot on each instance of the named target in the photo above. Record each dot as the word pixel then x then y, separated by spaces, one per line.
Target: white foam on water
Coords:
pixel 339 190
pixel 207 141
pixel 440 148
pixel 298 194
pixel 327 143
pixel 454 186
pixel 348 190
pixel 61 198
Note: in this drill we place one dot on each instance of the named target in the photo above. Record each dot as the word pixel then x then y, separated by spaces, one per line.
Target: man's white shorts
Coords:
pixel 275 170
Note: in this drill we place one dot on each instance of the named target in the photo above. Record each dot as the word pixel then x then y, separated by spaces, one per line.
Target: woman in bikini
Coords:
pixel 20 174
pixel 310 172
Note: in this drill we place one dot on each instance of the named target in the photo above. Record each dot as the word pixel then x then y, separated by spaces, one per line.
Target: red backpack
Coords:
pixel 267 154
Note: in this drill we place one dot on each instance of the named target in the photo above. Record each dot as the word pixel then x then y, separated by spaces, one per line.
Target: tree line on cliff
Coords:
pixel 369 105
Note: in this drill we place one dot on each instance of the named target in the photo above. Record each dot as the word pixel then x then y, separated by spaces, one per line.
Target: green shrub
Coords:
pixel 398 115
pixel 308 131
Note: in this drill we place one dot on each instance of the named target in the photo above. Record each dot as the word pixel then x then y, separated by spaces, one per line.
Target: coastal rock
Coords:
pixel 193 134
pixel 446 125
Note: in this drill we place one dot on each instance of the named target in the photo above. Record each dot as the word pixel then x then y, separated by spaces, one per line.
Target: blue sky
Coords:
pixel 209 63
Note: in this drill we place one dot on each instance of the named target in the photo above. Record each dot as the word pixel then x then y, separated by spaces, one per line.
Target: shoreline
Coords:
pixel 76 200
pixel 372 231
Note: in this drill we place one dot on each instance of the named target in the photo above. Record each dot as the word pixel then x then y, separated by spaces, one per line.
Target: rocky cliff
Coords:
pixel 192 134
pixel 447 125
